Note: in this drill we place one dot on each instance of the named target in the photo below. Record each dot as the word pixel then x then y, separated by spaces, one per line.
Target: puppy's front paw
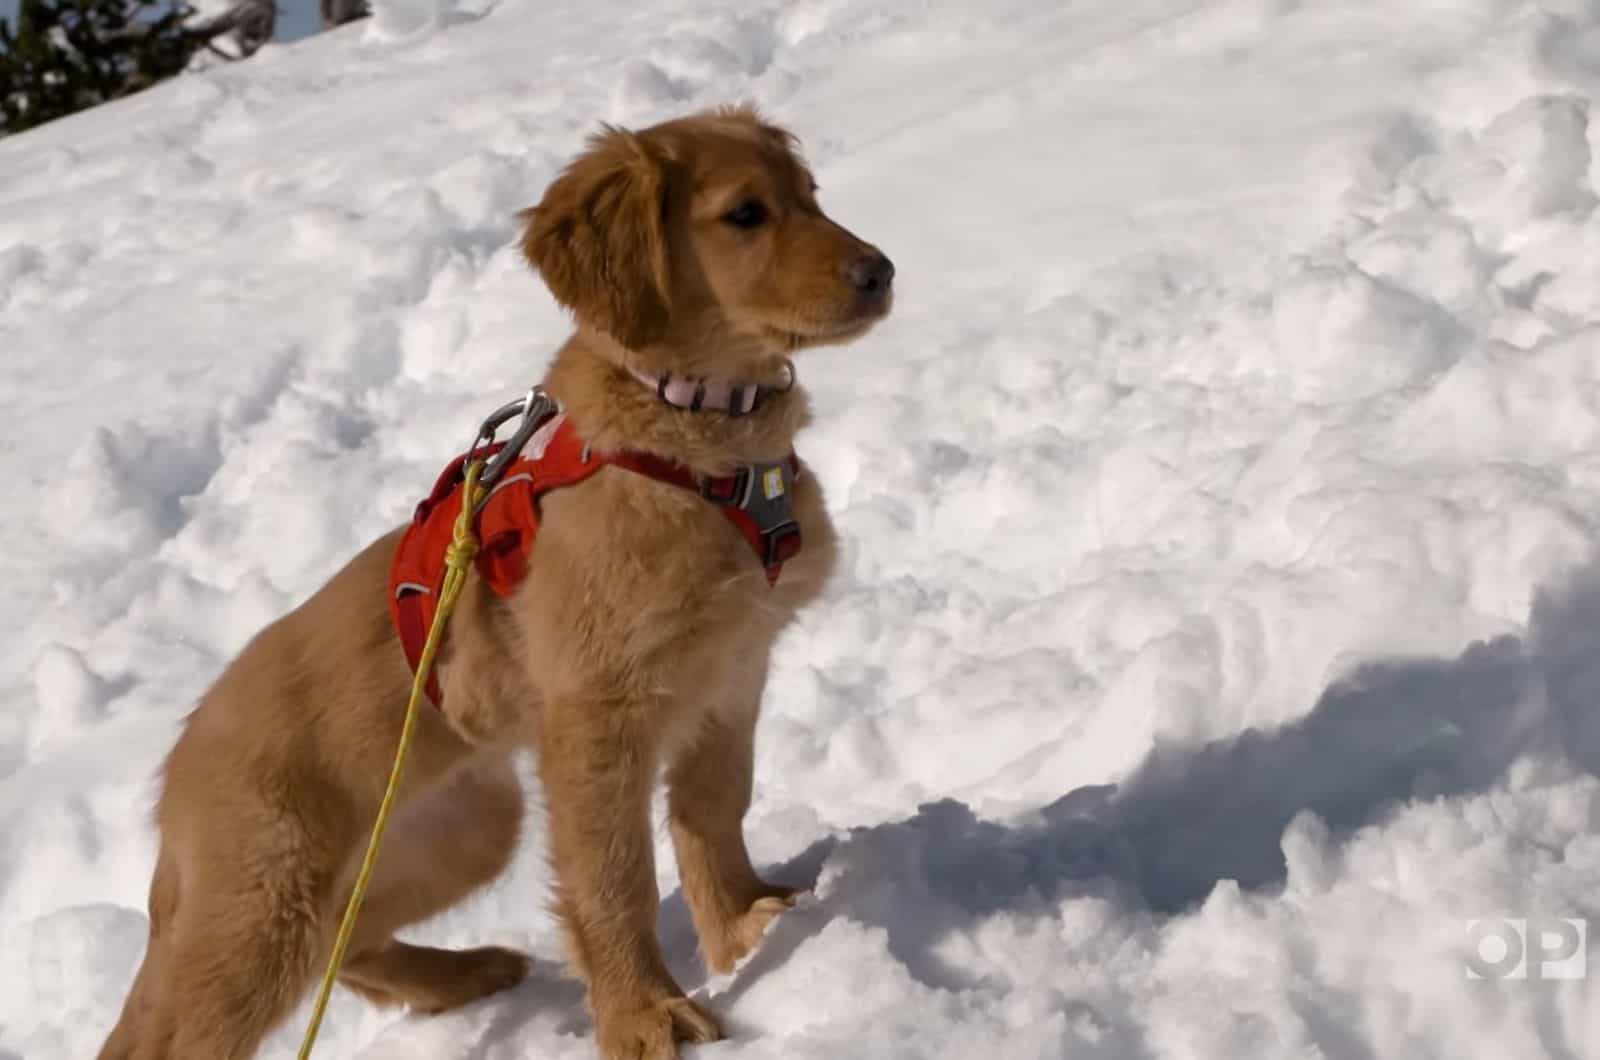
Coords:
pixel 744 931
pixel 654 1031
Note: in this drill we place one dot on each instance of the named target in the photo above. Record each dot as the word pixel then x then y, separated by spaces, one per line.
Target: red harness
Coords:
pixel 508 521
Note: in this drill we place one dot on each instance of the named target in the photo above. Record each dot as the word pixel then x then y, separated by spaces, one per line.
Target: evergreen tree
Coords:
pixel 66 55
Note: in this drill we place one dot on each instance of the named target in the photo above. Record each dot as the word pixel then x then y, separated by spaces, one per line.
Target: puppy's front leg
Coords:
pixel 598 761
pixel 708 793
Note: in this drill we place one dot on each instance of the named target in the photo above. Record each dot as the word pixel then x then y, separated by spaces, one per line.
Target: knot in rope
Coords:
pixel 463 547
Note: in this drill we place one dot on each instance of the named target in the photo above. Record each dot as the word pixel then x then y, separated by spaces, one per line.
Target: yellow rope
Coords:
pixel 458 559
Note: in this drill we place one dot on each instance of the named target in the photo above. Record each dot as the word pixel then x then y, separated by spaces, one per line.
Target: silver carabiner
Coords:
pixel 491 425
pixel 535 409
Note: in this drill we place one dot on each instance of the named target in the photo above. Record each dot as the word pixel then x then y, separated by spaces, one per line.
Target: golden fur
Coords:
pixel 636 648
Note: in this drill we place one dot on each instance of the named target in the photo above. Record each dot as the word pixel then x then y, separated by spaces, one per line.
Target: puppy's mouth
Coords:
pixel 800 334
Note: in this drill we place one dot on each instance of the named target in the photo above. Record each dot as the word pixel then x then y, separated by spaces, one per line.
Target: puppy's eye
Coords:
pixel 748 214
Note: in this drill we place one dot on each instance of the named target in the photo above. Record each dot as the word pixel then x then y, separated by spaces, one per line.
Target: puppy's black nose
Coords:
pixel 871 274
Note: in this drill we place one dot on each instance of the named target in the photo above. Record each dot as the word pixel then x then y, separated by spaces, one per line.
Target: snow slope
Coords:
pixel 1220 625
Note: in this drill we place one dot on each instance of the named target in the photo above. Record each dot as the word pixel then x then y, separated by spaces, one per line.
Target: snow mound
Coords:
pixel 1219 615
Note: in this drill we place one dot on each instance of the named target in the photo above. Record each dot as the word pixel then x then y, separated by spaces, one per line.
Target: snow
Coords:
pixel 1218 630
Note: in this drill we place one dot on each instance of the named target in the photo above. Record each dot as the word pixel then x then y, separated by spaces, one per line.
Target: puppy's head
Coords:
pixel 701 240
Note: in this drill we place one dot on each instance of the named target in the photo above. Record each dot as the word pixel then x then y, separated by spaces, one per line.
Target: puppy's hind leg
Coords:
pixel 144 1029
pixel 241 963
pixel 432 980
pixel 438 850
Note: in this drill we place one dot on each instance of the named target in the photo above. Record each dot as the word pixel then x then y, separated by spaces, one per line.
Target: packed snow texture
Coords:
pixel 1219 625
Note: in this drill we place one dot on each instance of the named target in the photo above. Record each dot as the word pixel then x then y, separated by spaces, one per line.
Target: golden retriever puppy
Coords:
pixel 695 259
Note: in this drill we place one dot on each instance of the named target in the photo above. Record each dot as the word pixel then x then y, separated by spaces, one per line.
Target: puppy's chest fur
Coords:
pixel 637 593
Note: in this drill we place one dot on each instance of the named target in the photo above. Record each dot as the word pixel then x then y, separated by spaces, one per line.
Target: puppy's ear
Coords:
pixel 599 241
